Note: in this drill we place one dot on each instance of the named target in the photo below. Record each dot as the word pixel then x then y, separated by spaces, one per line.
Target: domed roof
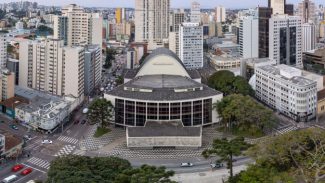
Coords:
pixel 162 61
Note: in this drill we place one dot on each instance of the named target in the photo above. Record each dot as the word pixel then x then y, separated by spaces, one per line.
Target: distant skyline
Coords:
pixel 174 3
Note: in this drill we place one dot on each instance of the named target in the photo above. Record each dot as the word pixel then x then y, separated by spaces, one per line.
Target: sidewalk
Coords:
pixel 206 177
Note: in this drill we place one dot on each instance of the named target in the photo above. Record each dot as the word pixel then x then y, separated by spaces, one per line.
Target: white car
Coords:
pixel 47 142
pixel 186 164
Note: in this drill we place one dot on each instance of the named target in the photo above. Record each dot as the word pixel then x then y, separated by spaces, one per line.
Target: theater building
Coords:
pixel 161 90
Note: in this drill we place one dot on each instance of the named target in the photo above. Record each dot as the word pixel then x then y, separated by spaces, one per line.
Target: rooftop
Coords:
pixel 11 140
pixel 164 129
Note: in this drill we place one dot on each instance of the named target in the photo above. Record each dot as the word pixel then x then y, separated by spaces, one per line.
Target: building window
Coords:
pixel 187 113
pixel 129 113
pixel 197 112
pixel 163 111
pixel 207 111
pixel 175 111
pixel 119 111
pixel 140 114
pixel 152 111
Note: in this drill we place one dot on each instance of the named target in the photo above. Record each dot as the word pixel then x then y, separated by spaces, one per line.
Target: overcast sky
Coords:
pixel 175 3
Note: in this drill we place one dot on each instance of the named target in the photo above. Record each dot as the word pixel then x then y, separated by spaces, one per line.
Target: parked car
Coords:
pixel 186 164
pixel 47 142
pixel 76 122
pixel 216 165
pixel 18 167
pixel 26 171
pixel 14 127
pixel 83 122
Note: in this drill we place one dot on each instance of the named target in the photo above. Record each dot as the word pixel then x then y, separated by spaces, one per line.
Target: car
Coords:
pixel 26 171
pixel 27 137
pixel 18 167
pixel 186 164
pixel 216 165
pixel 14 127
pixel 83 122
pixel 76 122
pixel 47 142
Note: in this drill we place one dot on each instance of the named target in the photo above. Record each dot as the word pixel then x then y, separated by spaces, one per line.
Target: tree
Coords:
pixel 243 114
pixel 297 156
pixel 226 82
pixel 145 174
pixel 110 56
pixel 227 149
pixel 82 169
pixel 100 111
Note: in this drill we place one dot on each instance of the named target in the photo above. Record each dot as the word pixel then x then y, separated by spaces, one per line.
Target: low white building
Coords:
pixel 285 89
pixel 44 112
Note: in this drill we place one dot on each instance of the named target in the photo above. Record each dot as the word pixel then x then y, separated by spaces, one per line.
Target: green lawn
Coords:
pixel 101 131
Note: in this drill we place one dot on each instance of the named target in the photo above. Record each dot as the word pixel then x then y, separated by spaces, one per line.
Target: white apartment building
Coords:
pixel 191 45
pixel 278 6
pixel 152 22
pixel 285 89
pixel 195 12
pixel 3 49
pixel 77 27
pixel 220 14
pixel 248 36
pixel 93 68
pixel 47 65
pixel 308 37
pixel 285 40
pixel 176 17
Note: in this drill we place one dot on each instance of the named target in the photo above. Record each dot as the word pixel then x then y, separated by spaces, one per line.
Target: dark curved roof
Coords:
pixel 161 51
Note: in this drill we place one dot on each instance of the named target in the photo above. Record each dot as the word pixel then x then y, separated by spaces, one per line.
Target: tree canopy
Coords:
pixel 226 82
pixel 299 155
pixel 82 169
pixel 101 112
pixel 110 56
pixel 242 113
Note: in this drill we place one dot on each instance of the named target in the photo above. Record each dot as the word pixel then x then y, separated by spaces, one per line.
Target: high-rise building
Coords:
pixel 47 65
pixel 308 37
pixel 3 50
pixel 248 36
pixel 7 84
pixel 191 45
pixel 285 40
pixel 77 27
pixel 195 12
pixel 152 22
pixel 93 68
pixel 264 14
pixel 220 14
pixel 176 18
pixel 119 15
pixel 278 6
pixel 307 11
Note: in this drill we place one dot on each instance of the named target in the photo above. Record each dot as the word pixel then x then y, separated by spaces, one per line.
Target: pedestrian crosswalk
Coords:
pixel 79 152
pixel 39 162
pixel 33 145
pixel 287 129
pixel 66 150
pixel 68 139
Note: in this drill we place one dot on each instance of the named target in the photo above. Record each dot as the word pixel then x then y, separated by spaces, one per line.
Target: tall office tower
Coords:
pixel 307 11
pixel 152 22
pixel 77 27
pixel 264 14
pixel 48 65
pixel 285 40
pixel 191 45
pixel 248 36
pixel 195 12
pixel 278 6
pixel 119 15
pixel 177 17
pixel 93 68
pixel 220 14
pixel 3 50
pixel 308 37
